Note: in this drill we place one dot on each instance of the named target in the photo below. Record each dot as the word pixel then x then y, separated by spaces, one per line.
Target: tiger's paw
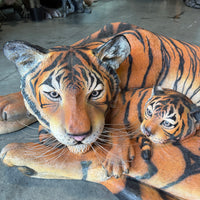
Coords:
pixel 118 161
pixel 12 155
pixel 13 114
pixel 9 154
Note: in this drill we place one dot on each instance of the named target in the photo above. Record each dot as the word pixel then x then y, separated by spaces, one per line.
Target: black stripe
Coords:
pixel 189 125
pixel 165 195
pixel 124 27
pixel 58 78
pixel 84 56
pixel 180 110
pixel 140 38
pixel 130 59
pixel 34 87
pixel 106 31
pixel 131 190
pixel 139 107
pixel 165 64
pixel 84 74
pixel 48 81
pixel 126 115
pixel 192 167
pixel 54 64
pixel 149 66
pixel 27 96
pixel 195 92
pixel 85 166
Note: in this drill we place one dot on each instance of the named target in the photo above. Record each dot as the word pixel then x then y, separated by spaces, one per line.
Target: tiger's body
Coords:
pixel 159 172
pixel 80 84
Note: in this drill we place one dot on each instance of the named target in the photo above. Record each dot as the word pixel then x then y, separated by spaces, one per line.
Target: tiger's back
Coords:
pixel 153 60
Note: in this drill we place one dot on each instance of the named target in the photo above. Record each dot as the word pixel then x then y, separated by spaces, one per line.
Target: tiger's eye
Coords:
pixel 95 93
pixel 166 124
pixel 54 94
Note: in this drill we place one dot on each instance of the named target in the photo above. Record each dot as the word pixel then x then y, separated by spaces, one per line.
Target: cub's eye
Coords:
pixel 53 95
pixel 148 112
pixel 166 124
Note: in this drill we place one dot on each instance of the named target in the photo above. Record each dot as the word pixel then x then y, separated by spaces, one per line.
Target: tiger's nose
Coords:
pixel 80 137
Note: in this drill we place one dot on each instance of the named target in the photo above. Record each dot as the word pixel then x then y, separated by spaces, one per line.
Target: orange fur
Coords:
pixel 74 92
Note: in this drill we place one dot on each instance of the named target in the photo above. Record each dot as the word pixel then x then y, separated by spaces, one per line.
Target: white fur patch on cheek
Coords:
pixel 61 136
pixel 94 136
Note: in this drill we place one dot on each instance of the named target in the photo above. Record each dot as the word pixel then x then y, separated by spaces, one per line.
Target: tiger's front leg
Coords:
pixel 41 161
pixel 13 114
pixel 118 159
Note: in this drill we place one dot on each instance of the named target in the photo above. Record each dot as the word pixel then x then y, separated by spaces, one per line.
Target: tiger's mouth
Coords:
pixel 79 148
pixel 79 144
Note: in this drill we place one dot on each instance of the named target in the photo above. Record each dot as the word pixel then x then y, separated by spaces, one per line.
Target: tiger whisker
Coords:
pixel 49 152
pixel 98 155
pixel 27 126
pixel 63 151
pixel 113 154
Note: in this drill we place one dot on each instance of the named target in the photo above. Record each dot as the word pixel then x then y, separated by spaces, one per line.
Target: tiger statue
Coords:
pixel 152 178
pixel 75 91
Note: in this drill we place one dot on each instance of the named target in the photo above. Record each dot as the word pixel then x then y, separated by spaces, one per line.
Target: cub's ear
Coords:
pixel 157 90
pixel 114 52
pixel 24 55
pixel 195 112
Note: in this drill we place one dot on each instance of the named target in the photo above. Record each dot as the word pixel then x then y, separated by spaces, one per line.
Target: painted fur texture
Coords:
pixel 75 92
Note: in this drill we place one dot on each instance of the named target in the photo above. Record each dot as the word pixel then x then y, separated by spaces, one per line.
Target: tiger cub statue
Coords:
pixel 169 116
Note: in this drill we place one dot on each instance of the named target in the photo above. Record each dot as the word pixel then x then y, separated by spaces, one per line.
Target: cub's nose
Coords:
pixel 147 131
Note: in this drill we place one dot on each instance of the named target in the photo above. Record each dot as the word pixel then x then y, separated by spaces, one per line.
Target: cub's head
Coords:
pixel 69 89
pixel 169 116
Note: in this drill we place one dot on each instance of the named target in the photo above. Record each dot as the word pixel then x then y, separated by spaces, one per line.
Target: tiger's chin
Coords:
pixel 79 148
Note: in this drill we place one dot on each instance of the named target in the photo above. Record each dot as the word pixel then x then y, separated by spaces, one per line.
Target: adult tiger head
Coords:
pixel 169 116
pixel 70 89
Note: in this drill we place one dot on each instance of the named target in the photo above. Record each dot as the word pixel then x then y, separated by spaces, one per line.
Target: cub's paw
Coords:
pixel 118 160
pixel 145 146
pixel 146 154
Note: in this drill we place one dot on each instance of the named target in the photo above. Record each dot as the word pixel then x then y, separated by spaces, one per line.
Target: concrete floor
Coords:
pixel 167 17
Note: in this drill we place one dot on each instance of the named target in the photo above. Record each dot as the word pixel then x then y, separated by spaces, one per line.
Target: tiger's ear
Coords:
pixel 24 55
pixel 114 52
pixel 195 112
